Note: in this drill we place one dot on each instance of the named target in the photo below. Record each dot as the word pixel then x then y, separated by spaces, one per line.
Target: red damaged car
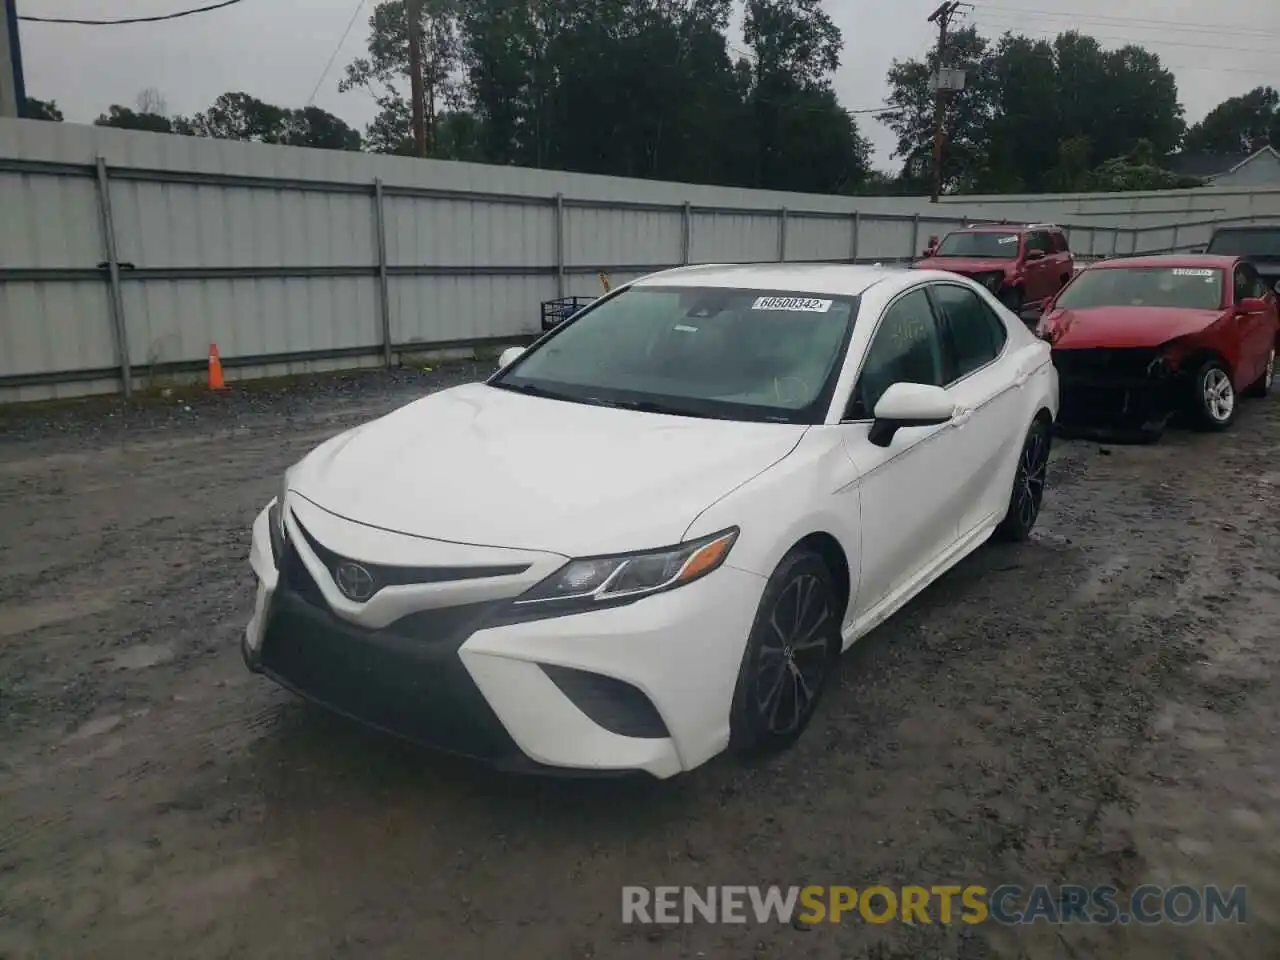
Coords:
pixel 1140 339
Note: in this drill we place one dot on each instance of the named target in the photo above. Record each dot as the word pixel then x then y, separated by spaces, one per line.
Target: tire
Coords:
pixel 776 693
pixel 1028 485
pixel 1013 299
pixel 1213 401
pixel 1262 386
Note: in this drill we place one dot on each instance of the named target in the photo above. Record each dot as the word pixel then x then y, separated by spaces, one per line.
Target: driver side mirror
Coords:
pixel 1251 305
pixel 509 356
pixel 909 405
pixel 1035 254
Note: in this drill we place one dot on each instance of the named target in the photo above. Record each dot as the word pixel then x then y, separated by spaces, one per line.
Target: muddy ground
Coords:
pixel 1098 706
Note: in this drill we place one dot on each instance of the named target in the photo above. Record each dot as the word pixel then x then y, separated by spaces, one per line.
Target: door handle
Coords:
pixel 961 417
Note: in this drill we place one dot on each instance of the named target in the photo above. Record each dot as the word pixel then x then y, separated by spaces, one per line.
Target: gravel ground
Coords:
pixel 1097 706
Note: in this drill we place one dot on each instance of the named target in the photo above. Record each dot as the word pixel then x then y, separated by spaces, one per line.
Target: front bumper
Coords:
pixel 644 687
pixel 1115 389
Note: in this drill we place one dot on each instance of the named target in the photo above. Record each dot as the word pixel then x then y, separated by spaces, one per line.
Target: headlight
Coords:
pixel 603 581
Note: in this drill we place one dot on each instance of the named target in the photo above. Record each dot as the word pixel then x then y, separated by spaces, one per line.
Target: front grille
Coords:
pixel 1105 363
pixel 387 576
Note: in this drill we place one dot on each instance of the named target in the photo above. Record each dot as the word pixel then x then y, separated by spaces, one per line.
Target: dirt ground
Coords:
pixel 1097 706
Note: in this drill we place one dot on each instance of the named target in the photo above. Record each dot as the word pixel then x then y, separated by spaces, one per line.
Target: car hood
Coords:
pixel 1124 326
pixel 476 464
pixel 963 264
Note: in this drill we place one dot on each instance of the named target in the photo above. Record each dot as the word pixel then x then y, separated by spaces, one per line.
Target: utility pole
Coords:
pixel 413 11
pixel 12 94
pixel 942 17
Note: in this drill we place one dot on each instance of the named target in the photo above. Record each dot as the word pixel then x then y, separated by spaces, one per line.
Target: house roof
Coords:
pixel 1201 164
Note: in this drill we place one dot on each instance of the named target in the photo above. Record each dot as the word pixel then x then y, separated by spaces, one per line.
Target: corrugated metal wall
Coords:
pixel 125 249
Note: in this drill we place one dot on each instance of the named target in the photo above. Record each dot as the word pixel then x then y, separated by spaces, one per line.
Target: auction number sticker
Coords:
pixel 793 304
pixel 1007 240
pixel 1188 272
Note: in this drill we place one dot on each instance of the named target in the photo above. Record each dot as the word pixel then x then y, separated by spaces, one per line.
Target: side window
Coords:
pixel 1038 240
pixel 1257 287
pixel 1243 287
pixel 977 334
pixel 1059 242
pixel 907 349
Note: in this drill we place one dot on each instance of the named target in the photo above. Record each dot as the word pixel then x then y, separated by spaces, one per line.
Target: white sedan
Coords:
pixel 648 537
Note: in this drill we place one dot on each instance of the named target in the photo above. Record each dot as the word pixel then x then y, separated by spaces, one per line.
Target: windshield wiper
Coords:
pixel 648 406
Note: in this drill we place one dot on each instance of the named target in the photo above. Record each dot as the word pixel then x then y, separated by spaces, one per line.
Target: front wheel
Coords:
pixel 1028 486
pixel 1214 399
pixel 793 645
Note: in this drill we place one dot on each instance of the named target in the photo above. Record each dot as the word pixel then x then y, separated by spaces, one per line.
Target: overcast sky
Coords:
pixel 277 49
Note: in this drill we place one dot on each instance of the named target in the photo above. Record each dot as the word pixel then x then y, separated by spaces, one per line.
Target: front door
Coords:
pixel 909 493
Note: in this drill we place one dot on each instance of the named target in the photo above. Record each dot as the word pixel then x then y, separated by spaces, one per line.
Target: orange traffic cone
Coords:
pixel 215 369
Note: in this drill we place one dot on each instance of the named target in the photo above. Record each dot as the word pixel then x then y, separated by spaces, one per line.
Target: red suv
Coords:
pixel 1022 265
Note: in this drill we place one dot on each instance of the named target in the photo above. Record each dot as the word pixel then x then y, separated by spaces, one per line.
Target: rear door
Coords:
pixel 984 381
pixel 1257 330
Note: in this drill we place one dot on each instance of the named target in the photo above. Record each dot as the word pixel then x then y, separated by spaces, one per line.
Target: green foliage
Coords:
pixel 642 88
pixel 33 109
pixel 1238 124
pixel 1037 115
pixel 126 119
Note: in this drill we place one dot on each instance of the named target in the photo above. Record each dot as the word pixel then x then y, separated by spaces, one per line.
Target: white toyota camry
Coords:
pixel 648 537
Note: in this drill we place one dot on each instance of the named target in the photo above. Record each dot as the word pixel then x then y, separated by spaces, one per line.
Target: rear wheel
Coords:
pixel 793 646
pixel 1262 386
pixel 1214 399
pixel 1028 486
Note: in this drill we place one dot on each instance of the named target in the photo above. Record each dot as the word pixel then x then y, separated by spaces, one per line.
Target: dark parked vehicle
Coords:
pixel 1259 245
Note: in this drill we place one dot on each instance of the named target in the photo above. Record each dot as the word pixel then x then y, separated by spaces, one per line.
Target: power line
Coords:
pixel 334 56
pixel 111 23
pixel 1013 27
pixel 1258 72
pixel 1128 21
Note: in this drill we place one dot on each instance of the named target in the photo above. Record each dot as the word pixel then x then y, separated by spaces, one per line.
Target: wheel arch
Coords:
pixel 829 548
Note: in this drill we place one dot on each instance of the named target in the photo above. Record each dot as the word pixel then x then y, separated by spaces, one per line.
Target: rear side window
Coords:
pixel 977 334
pixel 1038 240
pixel 1248 283
pixel 1059 242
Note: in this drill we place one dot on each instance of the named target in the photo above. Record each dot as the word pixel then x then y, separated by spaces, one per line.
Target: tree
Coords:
pixel 239 116
pixel 385 71
pixel 1030 106
pixel 1137 170
pixel 967 118
pixel 804 139
pixel 1237 124
pixel 126 119
pixel 151 100
pixel 33 109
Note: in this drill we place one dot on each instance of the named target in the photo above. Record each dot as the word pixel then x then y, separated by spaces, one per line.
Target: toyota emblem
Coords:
pixel 355 582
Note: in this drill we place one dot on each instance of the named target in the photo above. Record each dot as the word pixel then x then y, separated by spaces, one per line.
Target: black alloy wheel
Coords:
pixel 1028 485
pixel 792 647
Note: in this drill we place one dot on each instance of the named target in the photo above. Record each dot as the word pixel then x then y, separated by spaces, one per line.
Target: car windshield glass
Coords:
pixel 1246 243
pixel 1002 246
pixel 1198 288
pixel 704 352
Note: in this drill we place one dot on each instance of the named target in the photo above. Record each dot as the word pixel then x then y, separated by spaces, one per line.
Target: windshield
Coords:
pixel 703 352
pixel 997 246
pixel 1246 243
pixel 1193 288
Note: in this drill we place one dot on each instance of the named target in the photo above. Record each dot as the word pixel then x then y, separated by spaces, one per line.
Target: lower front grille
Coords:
pixel 402 685
pixel 1114 364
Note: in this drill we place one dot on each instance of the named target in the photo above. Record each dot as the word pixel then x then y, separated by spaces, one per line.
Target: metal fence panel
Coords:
pixel 294 259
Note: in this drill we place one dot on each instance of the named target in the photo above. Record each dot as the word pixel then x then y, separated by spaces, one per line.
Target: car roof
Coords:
pixel 999 228
pixel 837 279
pixel 1188 261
